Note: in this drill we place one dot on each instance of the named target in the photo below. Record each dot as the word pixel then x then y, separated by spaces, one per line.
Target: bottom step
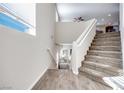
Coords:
pixel 94 75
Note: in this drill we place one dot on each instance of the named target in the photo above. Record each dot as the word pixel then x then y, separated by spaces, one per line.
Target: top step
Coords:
pixel 108 33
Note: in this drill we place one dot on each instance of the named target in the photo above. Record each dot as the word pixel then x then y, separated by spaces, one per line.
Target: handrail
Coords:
pixel 89 29
pixel 50 52
pixel 78 41
pixel 7 10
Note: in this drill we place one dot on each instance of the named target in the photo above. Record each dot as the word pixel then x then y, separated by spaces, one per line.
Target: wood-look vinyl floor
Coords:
pixel 66 80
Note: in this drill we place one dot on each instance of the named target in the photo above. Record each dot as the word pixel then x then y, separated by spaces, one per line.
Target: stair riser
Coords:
pixel 105 48
pixel 97 79
pixel 107 39
pixel 107 35
pixel 106 55
pixel 105 44
pixel 109 63
pixel 104 61
pixel 114 36
pixel 108 71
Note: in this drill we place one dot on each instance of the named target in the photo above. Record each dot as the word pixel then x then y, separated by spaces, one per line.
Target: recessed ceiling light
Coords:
pixel 98 23
pixel 109 14
pixel 102 19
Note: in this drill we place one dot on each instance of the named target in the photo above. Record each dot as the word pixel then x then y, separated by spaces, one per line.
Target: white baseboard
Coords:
pixel 37 79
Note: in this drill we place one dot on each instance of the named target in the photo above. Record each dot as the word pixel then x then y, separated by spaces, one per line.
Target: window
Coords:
pixel 12 23
pixel 19 16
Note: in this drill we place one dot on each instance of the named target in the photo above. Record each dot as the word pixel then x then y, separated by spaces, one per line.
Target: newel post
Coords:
pixel 74 63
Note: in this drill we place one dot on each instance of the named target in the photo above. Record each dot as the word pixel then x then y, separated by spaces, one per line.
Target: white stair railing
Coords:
pixel 82 44
pixel 53 56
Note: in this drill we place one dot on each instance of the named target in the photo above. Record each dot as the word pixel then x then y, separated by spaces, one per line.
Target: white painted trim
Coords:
pixel 35 82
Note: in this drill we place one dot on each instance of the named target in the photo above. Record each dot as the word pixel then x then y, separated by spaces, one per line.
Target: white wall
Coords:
pixel 67 32
pixel 23 58
pixel 122 29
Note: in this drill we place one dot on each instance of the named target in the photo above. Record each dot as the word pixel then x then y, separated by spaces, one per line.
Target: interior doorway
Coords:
pixel 109 29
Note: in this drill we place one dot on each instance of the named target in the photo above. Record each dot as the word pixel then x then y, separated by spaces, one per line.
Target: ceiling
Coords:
pixel 105 13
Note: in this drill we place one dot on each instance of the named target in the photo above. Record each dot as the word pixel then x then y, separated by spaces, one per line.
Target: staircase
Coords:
pixel 103 58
